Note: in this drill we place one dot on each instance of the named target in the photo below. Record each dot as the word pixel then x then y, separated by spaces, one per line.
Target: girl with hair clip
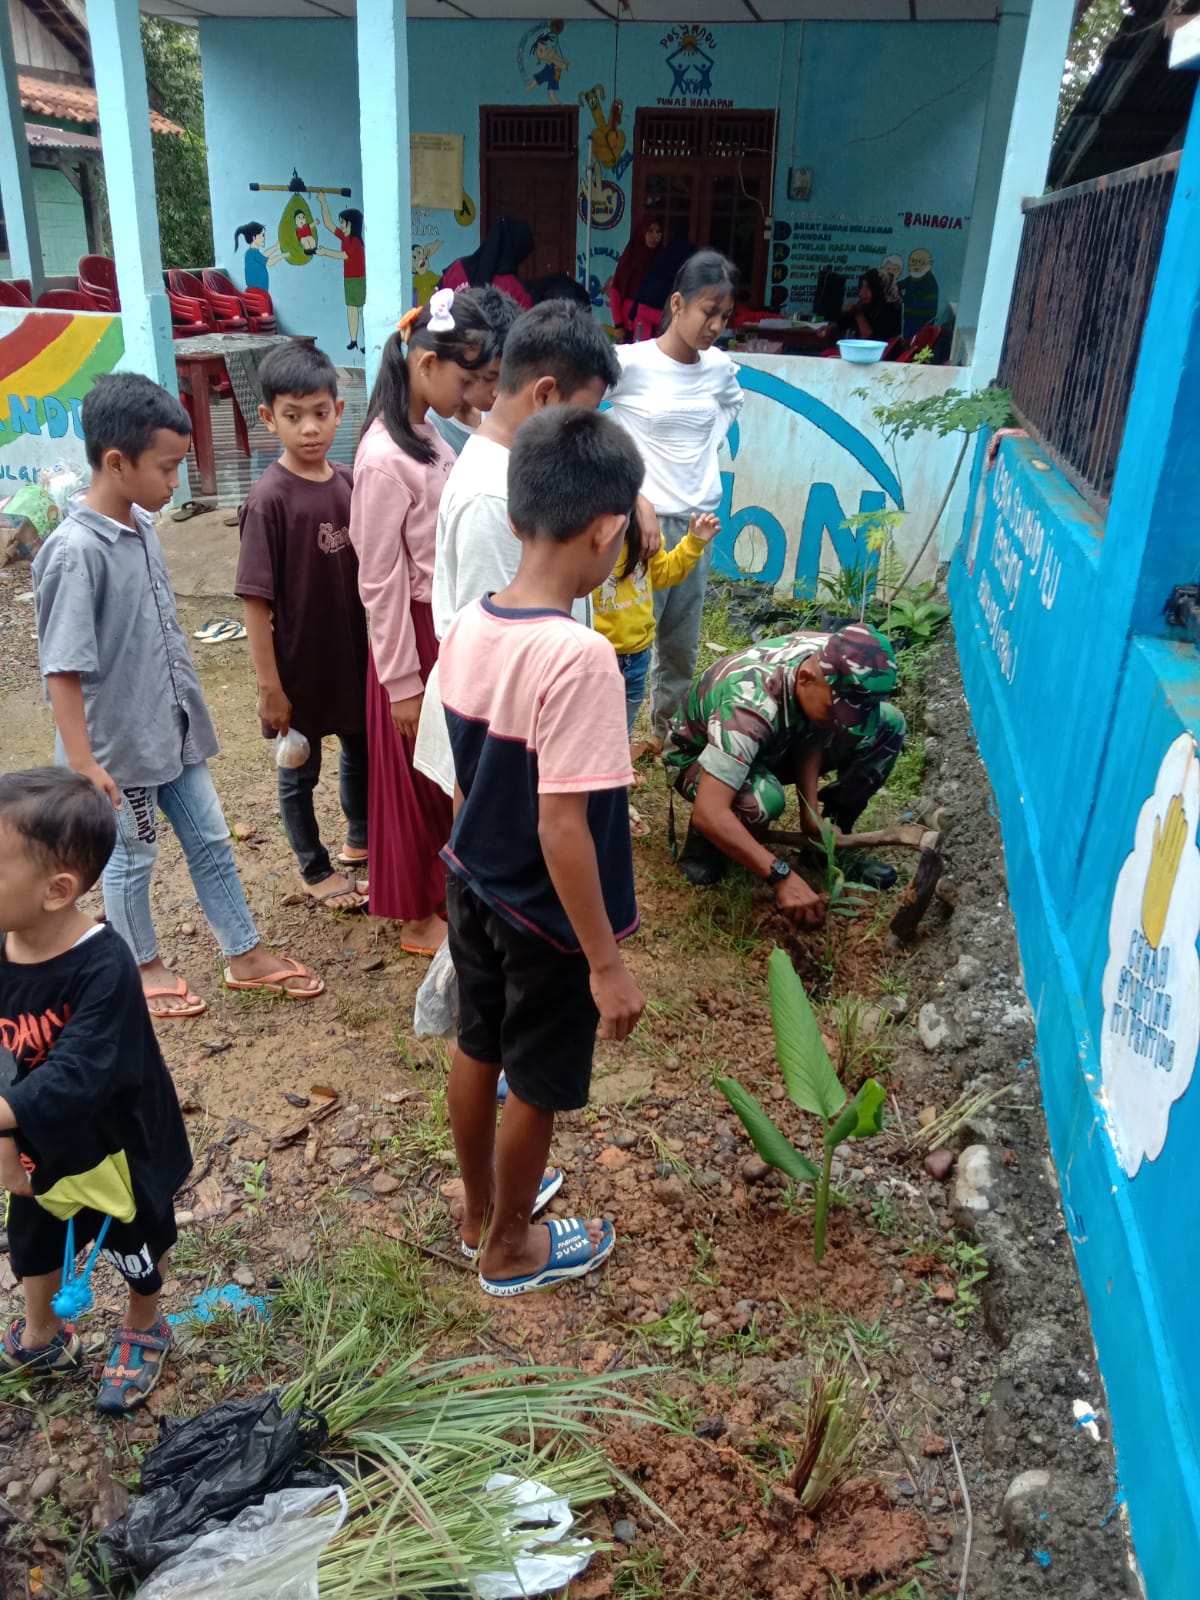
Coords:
pixel 400 471
pixel 679 396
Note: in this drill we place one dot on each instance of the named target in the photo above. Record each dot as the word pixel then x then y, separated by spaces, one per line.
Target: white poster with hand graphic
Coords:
pixel 1151 987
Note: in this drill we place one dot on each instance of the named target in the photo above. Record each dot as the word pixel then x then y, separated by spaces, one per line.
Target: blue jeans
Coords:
pixel 677 614
pixel 633 669
pixel 189 803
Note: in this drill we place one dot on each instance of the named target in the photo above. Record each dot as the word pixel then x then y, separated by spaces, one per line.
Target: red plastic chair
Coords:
pixel 189 317
pixel 226 313
pixel 255 303
pixel 261 310
pixel 98 281
pixel 924 340
pixel 64 300
pixel 12 295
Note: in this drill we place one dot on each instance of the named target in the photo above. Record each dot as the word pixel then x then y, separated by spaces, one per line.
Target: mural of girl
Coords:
pixel 260 257
pixel 348 231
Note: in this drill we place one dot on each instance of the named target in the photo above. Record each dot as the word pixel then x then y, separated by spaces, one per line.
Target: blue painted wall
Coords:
pixel 887 116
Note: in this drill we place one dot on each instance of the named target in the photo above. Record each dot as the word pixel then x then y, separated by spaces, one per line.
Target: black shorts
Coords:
pixel 37 1242
pixel 521 1004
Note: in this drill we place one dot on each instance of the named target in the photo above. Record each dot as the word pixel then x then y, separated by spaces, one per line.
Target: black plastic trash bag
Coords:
pixel 204 1471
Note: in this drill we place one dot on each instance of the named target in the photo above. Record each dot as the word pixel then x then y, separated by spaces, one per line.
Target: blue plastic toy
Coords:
pixel 75 1296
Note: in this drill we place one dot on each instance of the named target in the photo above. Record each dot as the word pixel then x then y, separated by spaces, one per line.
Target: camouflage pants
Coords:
pixel 861 766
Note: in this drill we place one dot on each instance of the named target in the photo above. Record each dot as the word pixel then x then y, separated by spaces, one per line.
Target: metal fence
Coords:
pixel 1088 259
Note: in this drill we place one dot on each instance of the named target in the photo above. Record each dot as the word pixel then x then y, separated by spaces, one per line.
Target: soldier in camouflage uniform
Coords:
pixel 784 712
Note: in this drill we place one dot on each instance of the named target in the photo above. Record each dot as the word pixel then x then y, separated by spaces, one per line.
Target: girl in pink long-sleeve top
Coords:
pixel 399 474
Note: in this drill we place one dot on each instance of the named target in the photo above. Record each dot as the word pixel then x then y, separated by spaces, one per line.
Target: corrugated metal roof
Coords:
pixel 41 137
pixel 73 103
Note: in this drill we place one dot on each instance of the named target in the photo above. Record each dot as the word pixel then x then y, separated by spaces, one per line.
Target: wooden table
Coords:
pixel 805 338
pixel 216 355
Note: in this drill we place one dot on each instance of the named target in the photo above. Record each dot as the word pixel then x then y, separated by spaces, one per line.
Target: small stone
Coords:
pixel 709 1321
pixel 15 1489
pixel 1025 1502
pixel 187 930
pixel 58 1430
pixel 184 1219
pixel 946 1293
pixel 361 1197
pixel 711 1427
pixel 293 1099
pixel 372 964
pixel 933 1029
pixel 939 1163
pixel 975 1180
pixel 613 1159
pixel 708 1179
pixel 947 891
pixel 664 1169
pixel 624 1531
pixel 934 1445
pixel 898 1286
pixel 926 1115
pixel 293 899
pixel 749 1306
pixel 754 1169
pixel 243 831
pixel 942 1350
pixel 966 971
pixel 244 1278
pixel 384 1183
pixel 44 1483
pixel 625 1139
pixel 340 1157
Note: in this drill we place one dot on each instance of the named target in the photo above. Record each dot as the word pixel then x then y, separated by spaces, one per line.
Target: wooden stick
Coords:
pixel 887 1421
pixel 912 835
pixel 962 1485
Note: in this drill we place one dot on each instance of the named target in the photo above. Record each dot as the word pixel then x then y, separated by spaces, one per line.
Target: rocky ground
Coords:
pixel 323 1165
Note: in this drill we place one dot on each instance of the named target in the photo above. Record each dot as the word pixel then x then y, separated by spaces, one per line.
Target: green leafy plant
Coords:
pixel 832 1427
pixel 843 894
pixel 812 1085
pixel 918 614
pixel 845 591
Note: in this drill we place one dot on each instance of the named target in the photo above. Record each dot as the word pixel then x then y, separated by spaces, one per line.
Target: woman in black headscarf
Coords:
pixel 509 242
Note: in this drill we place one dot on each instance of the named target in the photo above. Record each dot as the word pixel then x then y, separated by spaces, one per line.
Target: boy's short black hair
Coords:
pixel 295 368
pixel 123 411
pixel 67 824
pixel 500 311
pixel 568 466
pixel 557 340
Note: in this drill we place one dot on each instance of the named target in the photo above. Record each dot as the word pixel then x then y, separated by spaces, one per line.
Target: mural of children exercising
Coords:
pixel 348 231
pixel 260 256
pixel 551 65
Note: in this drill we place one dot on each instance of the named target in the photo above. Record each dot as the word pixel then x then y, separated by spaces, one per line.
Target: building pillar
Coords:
pixel 1150 530
pixel 16 175
pixel 1030 139
pixel 120 71
pixel 1006 68
pixel 383 121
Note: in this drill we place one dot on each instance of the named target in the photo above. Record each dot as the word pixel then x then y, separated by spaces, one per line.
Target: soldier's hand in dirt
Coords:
pixel 619 1001
pixel 406 716
pixel 274 707
pixel 804 905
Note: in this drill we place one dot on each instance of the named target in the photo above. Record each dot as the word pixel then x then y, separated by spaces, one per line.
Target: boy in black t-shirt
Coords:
pixel 298 577
pixel 90 1126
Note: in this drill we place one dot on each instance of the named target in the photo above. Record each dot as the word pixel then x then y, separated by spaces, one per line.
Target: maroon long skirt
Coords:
pixel 408 818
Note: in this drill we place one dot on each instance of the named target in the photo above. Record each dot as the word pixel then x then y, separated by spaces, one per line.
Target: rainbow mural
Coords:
pixel 48 362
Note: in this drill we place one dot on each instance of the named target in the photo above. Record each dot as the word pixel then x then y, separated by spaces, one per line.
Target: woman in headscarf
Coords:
pixel 509 242
pixel 873 315
pixel 645 244
pixel 654 290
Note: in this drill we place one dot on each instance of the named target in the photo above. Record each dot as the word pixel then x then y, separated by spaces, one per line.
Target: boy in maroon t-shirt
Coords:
pixel 298 577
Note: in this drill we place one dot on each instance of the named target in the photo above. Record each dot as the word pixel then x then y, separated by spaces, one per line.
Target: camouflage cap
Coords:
pixel 860 666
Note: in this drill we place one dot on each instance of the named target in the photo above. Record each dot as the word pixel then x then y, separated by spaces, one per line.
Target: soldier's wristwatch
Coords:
pixel 780 869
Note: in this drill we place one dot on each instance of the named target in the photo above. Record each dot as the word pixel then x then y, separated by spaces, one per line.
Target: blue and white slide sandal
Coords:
pixel 549 1187
pixel 571 1256
pixel 220 630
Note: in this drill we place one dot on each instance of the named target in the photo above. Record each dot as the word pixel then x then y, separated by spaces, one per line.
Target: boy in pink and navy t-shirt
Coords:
pixel 540 889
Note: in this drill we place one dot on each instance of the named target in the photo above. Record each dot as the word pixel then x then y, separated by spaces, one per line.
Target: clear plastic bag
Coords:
pixel 292 749
pixel 268 1552
pixel 435 1014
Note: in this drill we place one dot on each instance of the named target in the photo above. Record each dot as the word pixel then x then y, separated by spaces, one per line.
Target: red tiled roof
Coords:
pixel 73 103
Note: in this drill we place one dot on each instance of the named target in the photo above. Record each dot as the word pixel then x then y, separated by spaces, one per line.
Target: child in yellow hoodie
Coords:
pixel 623 605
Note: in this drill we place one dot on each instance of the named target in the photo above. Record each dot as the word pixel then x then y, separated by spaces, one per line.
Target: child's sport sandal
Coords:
pixel 133 1369
pixel 63 1354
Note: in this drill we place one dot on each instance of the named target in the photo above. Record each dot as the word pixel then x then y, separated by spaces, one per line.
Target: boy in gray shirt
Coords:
pixel 130 713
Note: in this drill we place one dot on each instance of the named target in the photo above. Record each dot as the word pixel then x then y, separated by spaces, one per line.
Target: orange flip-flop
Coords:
pixel 276 982
pixel 177 991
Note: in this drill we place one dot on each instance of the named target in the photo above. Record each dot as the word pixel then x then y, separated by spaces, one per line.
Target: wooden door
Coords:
pixel 529 167
pixel 709 174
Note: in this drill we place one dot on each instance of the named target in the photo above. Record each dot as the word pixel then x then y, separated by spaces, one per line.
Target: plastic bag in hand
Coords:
pixel 292 749
pixel 268 1552
pixel 435 1014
